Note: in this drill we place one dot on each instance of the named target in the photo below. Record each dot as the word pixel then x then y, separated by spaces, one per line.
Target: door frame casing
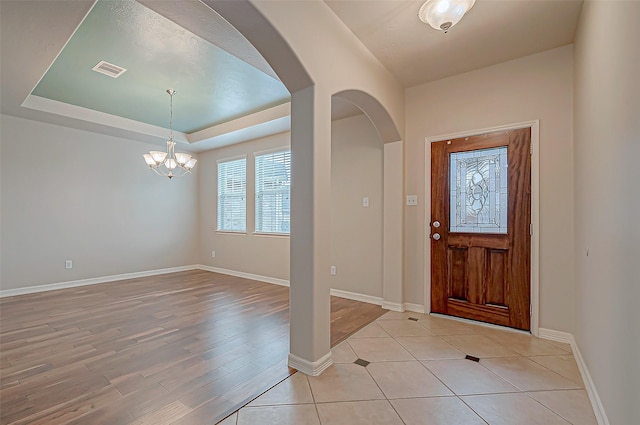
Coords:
pixel 535 212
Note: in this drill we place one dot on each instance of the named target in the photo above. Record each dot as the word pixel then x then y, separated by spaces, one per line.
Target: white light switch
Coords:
pixel 68 264
pixel 333 270
pixel 365 201
pixel 412 199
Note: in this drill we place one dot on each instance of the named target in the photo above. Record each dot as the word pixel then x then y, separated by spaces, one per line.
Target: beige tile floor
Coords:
pixel 418 375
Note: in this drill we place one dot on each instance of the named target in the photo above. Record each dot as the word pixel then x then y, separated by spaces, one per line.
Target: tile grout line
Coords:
pixel 548 408
pixel 313 397
pixel 443 383
pixel 428 370
pixel 555 373
pixel 376 382
pixel 569 379
pixel 382 392
pixel 520 390
pixel 473 410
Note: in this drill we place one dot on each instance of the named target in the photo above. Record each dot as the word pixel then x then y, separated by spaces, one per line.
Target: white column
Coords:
pixel 392 224
pixel 309 307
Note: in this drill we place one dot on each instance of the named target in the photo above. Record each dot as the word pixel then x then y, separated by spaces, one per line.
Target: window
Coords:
pixel 478 186
pixel 273 192
pixel 232 195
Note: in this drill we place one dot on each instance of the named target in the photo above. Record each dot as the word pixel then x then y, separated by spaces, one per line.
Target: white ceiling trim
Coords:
pixel 264 129
pixel 84 114
pixel 260 124
pixel 250 120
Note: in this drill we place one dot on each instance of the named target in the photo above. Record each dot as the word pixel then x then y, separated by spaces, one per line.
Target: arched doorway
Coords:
pixel 302 66
pixel 367 155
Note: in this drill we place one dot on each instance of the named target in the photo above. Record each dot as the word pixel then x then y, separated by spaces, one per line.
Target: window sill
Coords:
pixel 274 235
pixel 231 232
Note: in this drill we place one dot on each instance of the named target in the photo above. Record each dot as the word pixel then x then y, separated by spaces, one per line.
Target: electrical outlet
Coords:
pixel 213 254
pixel 333 270
pixel 68 264
pixel 412 200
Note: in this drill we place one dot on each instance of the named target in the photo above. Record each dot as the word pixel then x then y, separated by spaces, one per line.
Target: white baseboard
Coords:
pixel 260 278
pixel 388 305
pixel 113 278
pixel 596 403
pixel 356 297
pixel 310 368
pixel 370 299
pixel 416 308
pixel 557 336
pixel 589 386
pixel 92 281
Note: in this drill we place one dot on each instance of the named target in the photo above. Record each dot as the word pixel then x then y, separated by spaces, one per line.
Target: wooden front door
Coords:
pixel 480 227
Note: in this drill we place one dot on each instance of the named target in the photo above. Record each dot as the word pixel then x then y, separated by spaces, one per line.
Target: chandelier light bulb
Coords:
pixel 182 158
pixel 158 156
pixel 190 164
pixel 149 159
pixel 171 164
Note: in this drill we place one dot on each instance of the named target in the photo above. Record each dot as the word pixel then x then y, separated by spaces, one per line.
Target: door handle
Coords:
pixel 436 224
pixel 436 236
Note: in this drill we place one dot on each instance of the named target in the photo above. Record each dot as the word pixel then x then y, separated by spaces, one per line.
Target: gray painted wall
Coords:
pixel 75 195
pixel 69 194
pixel 607 201
pixel 356 231
pixel 263 255
pixel 356 247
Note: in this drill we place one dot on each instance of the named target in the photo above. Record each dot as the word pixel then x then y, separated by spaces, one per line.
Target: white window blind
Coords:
pixel 273 192
pixel 232 195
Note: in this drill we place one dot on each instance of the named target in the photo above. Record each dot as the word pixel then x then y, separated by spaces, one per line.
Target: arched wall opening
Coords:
pixel 306 67
pixel 357 154
pixel 366 199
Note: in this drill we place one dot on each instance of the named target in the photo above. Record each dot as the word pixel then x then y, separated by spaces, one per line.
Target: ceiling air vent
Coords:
pixel 109 69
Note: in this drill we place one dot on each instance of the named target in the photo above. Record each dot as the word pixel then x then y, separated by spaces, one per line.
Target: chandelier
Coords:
pixel 443 14
pixel 167 163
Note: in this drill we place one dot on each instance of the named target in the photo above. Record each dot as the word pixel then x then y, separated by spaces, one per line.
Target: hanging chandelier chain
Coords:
pixel 171 93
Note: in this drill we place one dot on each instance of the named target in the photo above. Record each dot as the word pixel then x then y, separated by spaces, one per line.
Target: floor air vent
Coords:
pixel 106 68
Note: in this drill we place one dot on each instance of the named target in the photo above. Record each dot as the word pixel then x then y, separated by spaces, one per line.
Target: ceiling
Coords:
pixel 226 92
pixel 212 86
pixel 493 31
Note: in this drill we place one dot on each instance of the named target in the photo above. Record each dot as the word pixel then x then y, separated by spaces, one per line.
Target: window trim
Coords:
pixel 231 158
pixel 274 234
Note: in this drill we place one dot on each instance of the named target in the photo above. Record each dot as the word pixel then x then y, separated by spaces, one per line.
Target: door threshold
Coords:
pixel 485 324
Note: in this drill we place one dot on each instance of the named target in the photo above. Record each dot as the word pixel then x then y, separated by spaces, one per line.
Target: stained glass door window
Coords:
pixel 478 191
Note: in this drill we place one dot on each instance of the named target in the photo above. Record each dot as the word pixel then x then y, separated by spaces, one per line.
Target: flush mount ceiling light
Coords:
pixel 443 14
pixel 165 163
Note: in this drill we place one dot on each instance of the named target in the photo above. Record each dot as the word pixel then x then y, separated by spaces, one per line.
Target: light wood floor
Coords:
pixel 181 348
